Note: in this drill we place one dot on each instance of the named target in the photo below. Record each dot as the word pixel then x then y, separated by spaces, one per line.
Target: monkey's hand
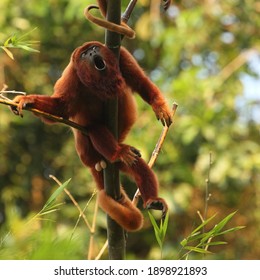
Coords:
pixel 162 113
pixel 127 154
pixel 22 102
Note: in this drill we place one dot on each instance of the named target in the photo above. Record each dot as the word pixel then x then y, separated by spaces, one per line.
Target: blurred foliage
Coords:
pixel 197 54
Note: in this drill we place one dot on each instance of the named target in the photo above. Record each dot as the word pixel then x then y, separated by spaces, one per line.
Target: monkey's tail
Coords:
pixel 122 211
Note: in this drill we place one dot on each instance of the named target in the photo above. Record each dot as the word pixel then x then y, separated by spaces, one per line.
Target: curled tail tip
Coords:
pixel 123 211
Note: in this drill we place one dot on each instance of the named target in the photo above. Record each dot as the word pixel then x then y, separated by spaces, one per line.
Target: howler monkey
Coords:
pixel 93 76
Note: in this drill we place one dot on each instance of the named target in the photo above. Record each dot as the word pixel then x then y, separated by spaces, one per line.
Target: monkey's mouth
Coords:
pixel 99 63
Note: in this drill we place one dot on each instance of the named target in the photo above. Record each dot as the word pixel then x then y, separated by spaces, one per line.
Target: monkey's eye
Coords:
pixel 89 52
pixel 94 56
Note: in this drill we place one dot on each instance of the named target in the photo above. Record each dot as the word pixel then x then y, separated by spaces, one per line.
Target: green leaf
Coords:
pixel 165 225
pixel 195 236
pixel 207 236
pixel 156 229
pixel 9 53
pixel 203 224
pixel 55 194
pixel 160 232
pixel 26 48
pixel 230 230
pixel 152 219
pixel 184 242
pixel 198 250
pixel 222 223
pixel 48 212
pixel 216 243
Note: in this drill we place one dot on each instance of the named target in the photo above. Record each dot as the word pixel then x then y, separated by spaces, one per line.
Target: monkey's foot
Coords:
pixel 128 154
pixel 136 151
pixel 158 204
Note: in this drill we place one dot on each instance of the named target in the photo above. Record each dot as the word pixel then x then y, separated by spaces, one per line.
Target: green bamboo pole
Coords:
pixel 115 233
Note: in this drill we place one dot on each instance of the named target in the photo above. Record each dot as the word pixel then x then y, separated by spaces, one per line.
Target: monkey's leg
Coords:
pixel 147 184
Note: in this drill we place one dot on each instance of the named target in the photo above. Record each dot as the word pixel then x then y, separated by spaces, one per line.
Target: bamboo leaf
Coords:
pixel 198 250
pixel 222 223
pixel 48 212
pixel 165 225
pixel 216 243
pixel 152 219
pixel 9 53
pixel 55 194
pixel 196 236
pixel 156 229
pixel 184 242
pixel 207 236
pixel 27 48
pixel 230 230
pixel 203 224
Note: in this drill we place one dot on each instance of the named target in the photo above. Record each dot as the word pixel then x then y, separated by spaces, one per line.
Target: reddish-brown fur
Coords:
pixel 79 95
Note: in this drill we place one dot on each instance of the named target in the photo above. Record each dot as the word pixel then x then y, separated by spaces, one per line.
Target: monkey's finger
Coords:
pixel 168 120
pixel 163 121
pixel 17 110
pixel 14 110
pixel 130 158
pixel 136 151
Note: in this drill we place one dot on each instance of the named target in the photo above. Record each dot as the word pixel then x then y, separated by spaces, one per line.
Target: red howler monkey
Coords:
pixel 92 77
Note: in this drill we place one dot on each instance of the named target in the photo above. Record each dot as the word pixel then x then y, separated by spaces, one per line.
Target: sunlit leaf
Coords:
pixel 55 194
pixel 198 250
pixel 9 53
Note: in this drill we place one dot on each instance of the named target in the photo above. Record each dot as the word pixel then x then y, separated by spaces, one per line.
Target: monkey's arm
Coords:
pixel 139 82
pixel 48 104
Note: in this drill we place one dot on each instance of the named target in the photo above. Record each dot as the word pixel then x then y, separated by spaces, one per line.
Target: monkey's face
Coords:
pixel 97 68
pixel 94 57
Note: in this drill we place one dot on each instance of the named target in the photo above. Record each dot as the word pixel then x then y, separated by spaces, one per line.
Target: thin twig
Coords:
pixel 201 218
pixel 207 194
pixel 126 15
pixel 12 92
pixel 93 230
pixel 73 200
pixel 102 250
